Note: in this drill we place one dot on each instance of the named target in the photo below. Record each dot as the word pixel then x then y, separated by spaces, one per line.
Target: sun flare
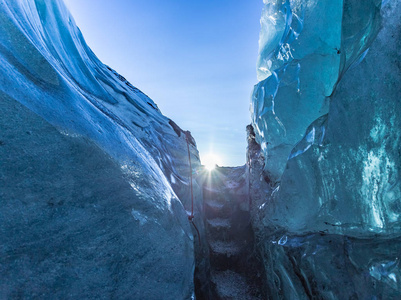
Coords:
pixel 210 161
pixel 210 167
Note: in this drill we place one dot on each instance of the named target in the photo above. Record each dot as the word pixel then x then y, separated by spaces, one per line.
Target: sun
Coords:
pixel 210 167
pixel 210 161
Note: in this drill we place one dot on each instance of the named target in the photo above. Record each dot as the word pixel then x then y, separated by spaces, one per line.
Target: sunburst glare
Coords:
pixel 210 161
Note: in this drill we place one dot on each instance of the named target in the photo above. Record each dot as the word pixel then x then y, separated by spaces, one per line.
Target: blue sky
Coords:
pixel 195 58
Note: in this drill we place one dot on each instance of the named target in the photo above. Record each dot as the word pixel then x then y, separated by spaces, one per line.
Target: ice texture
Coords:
pixel 343 176
pixel 304 49
pixel 94 180
pixel 329 222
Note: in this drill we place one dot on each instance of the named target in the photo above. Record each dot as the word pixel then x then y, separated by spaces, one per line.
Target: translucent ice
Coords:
pixel 331 199
pixel 305 48
pixel 344 175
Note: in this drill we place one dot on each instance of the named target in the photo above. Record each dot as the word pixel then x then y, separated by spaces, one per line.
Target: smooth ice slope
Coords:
pixel 90 171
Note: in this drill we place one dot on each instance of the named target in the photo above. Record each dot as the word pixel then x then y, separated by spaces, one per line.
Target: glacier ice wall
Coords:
pixel 346 167
pixel 305 47
pixel 91 171
pixel 329 217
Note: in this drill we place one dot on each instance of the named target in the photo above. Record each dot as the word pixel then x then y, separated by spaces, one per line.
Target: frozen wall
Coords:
pixel 331 212
pixel 305 47
pixel 91 171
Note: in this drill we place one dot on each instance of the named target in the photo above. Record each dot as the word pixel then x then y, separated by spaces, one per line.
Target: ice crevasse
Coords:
pixel 91 172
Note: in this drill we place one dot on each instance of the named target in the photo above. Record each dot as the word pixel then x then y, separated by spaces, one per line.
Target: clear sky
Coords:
pixel 195 58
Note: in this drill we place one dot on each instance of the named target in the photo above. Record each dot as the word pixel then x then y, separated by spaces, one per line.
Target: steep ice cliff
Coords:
pixel 91 172
pixel 327 118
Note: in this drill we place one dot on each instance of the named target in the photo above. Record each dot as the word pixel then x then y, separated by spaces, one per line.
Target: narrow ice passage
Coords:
pixel 94 180
pixel 236 270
